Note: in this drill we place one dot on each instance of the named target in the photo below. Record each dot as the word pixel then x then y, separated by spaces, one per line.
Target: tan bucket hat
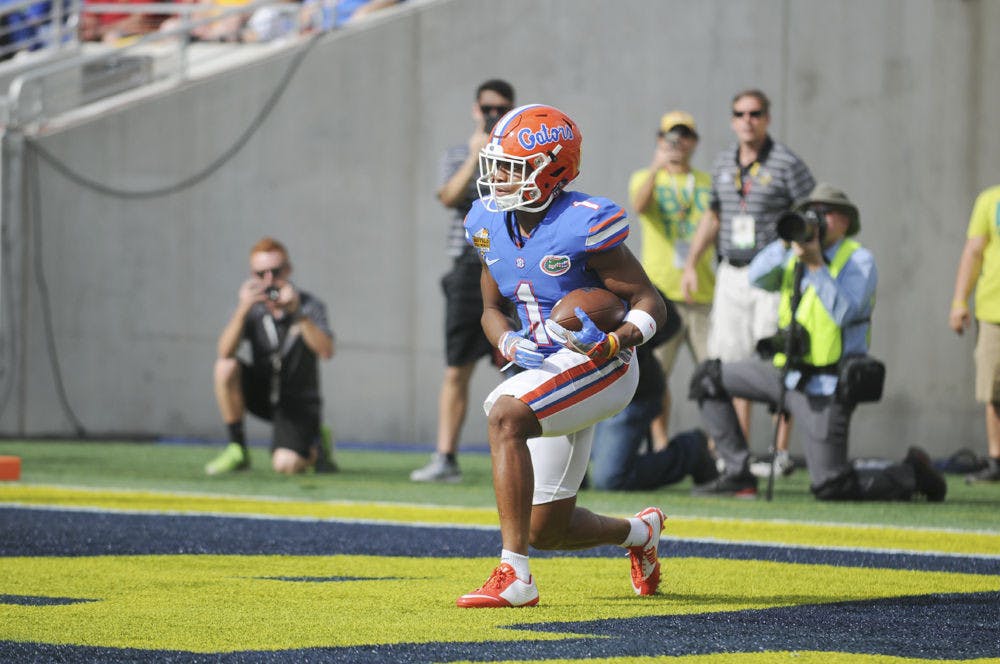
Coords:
pixel 826 194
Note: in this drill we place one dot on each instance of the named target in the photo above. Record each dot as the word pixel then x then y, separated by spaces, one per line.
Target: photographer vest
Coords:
pixel 824 345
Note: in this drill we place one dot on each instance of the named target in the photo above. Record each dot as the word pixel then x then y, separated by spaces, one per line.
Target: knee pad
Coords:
pixel 706 383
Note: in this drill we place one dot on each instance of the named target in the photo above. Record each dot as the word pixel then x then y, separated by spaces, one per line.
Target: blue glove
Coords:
pixel 519 350
pixel 589 341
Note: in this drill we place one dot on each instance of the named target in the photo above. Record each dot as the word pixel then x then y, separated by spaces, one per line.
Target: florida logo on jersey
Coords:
pixel 555 265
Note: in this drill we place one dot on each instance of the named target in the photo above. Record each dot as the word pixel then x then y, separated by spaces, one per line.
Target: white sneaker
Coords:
pixel 784 466
pixel 439 469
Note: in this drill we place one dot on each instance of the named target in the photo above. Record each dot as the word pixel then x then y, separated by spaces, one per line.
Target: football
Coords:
pixel 602 306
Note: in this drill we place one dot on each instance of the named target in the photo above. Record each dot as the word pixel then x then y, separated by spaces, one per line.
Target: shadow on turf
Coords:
pixel 729 600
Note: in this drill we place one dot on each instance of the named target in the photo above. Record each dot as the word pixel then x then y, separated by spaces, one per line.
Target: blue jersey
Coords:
pixel 534 272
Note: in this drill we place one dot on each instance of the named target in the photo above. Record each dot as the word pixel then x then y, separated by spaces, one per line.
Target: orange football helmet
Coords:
pixel 534 151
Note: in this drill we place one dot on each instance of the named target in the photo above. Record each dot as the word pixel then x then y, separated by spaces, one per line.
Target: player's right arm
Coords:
pixel 495 322
pixel 704 237
pixel 250 292
pixel 513 345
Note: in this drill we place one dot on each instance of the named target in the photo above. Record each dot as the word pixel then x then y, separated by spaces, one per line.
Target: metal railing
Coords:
pixel 38 25
pixel 95 71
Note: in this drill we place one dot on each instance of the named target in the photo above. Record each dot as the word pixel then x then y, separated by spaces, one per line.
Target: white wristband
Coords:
pixel 643 321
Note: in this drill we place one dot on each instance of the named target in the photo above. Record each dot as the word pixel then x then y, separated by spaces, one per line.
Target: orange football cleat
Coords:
pixel 502 589
pixel 645 565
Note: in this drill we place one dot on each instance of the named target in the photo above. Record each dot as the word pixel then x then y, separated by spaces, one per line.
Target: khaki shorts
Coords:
pixel 693 332
pixel 988 363
pixel 742 314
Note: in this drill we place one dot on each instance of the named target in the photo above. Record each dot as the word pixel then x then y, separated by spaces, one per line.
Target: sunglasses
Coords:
pixel 275 272
pixel 488 109
pixel 753 114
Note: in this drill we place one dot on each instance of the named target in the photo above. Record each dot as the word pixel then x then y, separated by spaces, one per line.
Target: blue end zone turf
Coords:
pixel 49 532
pixel 936 625
pixel 31 600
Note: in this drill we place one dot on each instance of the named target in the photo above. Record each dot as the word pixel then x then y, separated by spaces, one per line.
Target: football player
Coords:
pixel 538 242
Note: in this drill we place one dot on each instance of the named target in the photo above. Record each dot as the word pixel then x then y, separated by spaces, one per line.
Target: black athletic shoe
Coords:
pixel 962 462
pixel 929 481
pixel 743 485
pixel 705 469
pixel 325 463
pixel 991 473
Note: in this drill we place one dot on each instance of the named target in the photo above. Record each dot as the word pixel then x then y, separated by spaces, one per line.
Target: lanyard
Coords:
pixel 684 205
pixel 745 176
pixel 743 179
pixel 278 350
pixel 272 335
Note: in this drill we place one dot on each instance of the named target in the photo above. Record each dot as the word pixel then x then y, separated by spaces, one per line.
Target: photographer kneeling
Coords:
pixel 827 283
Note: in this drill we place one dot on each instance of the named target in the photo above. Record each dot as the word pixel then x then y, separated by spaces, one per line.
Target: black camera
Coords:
pixel 272 293
pixel 490 121
pixel 674 136
pixel 794 345
pixel 800 227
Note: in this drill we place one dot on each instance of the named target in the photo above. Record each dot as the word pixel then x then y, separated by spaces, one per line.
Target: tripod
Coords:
pixel 790 348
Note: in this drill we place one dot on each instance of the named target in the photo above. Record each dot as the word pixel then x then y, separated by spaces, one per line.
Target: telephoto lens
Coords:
pixel 795 227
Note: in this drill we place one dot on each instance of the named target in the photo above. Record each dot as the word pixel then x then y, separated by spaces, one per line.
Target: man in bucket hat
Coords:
pixel 831 309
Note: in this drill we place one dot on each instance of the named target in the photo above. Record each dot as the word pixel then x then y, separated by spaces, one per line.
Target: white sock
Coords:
pixel 518 562
pixel 638 535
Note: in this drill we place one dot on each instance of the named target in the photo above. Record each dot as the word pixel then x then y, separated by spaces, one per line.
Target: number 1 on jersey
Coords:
pixel 526 296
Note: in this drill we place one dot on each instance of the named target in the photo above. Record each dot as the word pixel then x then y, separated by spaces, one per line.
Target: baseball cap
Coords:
pixel 678 119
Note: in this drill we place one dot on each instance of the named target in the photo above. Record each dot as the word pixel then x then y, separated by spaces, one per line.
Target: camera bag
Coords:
pixel 860 380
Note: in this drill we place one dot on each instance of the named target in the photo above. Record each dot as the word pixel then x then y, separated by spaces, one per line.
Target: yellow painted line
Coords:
pixel 156 501
pixel 797 533
pixel 804 533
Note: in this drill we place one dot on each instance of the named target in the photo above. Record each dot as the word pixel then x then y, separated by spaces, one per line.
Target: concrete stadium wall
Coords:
pixel 890 99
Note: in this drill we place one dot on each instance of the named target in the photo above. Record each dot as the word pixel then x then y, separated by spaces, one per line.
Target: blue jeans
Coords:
pixel 615 462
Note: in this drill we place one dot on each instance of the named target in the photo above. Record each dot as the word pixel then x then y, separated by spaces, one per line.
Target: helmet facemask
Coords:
pixel 516 175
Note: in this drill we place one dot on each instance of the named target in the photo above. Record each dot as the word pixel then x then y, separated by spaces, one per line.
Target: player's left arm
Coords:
pixel 319 341
pixel 624 276
pixel 312 321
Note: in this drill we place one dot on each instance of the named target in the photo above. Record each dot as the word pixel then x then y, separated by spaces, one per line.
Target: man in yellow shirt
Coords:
pixel 670 198
pixel 979 268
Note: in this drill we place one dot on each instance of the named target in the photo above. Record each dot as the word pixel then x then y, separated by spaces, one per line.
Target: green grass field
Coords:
pixel 384 476
pixel 127 552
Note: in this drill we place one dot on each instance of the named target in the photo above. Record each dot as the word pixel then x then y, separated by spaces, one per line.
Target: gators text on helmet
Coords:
pixel 533 152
